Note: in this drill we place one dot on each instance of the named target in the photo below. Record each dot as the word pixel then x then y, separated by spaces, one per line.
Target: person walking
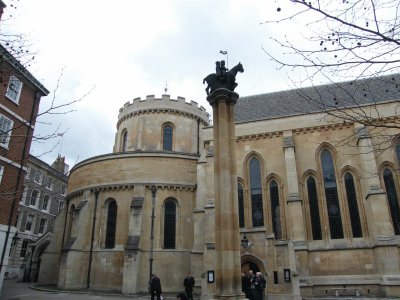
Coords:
pixel 259 283
pixel 246 285
pixel 189 284
pixel 155 287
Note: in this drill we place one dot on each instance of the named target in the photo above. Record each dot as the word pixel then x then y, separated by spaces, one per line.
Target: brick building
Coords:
pixel 43 198
pixel 20 94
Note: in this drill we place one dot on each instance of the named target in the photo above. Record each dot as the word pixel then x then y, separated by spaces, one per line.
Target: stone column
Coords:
pixel 294 202
pixel 227 237
pixel 377 210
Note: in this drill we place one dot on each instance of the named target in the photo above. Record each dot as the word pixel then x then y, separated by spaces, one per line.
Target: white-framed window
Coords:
pixel 14 89
pixel 60 206
pixel 1 172
pixel 24 247
pixel 29 222
pixel 38 177
pixel 42 225
pixel 63 190
pixel 34 197
pixel 46 201
pixel 49 183
pixel 5 130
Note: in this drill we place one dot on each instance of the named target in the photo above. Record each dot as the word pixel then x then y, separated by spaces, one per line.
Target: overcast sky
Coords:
pixel 121 49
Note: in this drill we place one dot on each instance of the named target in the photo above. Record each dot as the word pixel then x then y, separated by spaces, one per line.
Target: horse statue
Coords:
pixel 223 80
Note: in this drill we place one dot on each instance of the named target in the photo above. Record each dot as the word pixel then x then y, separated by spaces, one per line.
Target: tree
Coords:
pixel 352 45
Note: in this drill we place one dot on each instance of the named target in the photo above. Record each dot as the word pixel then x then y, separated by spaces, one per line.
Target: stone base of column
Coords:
pixel 229 297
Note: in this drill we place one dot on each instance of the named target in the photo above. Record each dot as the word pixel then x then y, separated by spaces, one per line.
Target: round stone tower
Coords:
pixel 141 125
pixel 105 233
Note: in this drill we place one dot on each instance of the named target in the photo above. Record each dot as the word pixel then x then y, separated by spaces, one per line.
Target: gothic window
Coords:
pixel 352 205
pixel 256 193
pixel 331 194
pixel 275 209
pixel 111 225
pixel 167 137
pixel 314 209
pixel 124 141
pixel 169 224
pixel 393 199
pixel 240 205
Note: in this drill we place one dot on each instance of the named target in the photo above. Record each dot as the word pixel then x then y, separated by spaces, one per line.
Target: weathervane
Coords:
pixel 166 88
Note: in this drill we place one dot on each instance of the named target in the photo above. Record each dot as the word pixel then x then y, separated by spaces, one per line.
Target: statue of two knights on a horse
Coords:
pixel 222 78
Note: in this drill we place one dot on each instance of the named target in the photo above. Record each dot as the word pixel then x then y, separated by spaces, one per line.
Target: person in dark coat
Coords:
pixel 189 284
pixel 246 285
pixel 155 287
pixel 260 284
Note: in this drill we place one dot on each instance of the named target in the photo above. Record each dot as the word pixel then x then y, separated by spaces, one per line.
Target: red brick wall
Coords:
pixel 21 137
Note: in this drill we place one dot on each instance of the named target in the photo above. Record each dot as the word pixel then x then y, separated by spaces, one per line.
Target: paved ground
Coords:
pixel 13 290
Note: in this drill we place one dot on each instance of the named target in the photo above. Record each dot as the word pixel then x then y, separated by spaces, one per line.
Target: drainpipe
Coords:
pixel 96 194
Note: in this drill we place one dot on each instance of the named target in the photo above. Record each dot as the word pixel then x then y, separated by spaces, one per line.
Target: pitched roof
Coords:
pixel 318 98
pixel 6 56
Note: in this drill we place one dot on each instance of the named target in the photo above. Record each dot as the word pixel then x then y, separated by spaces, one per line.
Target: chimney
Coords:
pixel 59 164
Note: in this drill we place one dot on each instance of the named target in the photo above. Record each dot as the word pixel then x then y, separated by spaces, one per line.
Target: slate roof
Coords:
pixel 318 98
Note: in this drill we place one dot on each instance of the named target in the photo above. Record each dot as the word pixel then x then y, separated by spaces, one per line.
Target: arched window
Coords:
pixel 392 198
pixel 169 224
pixel 124 141
pixel 111 225
pixel 314 209
pixel 167 137
pixel 256 193
pixel 331 194
pixel 352 205
pixel 275 210
pixel 240 205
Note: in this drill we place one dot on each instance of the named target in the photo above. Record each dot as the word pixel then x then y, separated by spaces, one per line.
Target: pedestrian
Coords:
pixel 189 284
pixel 252 292
pixel 246 285
pixel 259 283
pixel 155 287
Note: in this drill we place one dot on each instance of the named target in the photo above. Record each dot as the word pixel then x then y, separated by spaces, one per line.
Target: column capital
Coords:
pixel 222 95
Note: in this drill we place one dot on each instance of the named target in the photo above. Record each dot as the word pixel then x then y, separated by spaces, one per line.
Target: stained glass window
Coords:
pixel 256 193
pixel 331 194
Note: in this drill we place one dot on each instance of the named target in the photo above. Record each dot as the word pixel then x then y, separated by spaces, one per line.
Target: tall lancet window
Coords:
pixel 393 199
pixel 170 224
pixel 167 137
pixel 352 205
pixel 240 205
pixel 275 209
pixel 124 141
pixel 111 225
pixel 314 209
pixel 331 194
pixel 256 193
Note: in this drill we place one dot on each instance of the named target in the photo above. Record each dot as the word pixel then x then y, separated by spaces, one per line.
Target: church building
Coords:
pixel 318 196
